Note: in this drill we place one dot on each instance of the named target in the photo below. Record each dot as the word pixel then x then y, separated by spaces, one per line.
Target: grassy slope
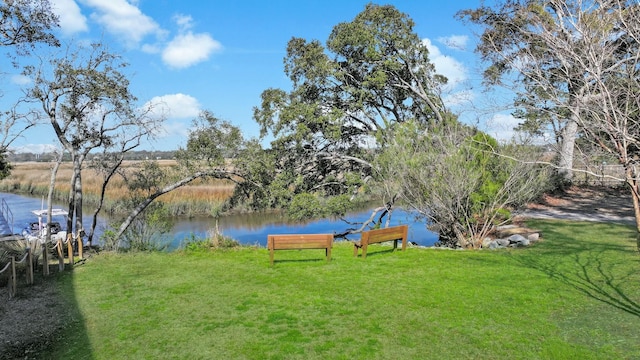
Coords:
pixel 574 295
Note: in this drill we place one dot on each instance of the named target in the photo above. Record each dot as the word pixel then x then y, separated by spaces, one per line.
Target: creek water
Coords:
pixel 248 229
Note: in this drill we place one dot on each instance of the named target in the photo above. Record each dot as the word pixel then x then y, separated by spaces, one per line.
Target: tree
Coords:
pixel 211 146
pixel 527 44
pixel 593 46
pixel 108 165
pixel 85 97
pixel 23 25
pixel 459 179
pixel 373 74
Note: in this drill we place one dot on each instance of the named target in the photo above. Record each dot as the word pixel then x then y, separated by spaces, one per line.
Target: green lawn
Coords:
pixel 574 295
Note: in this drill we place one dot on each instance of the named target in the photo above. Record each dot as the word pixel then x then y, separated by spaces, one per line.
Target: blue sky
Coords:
pixel 192 55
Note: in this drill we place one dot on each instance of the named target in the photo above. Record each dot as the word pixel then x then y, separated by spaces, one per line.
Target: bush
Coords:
pixel 215 241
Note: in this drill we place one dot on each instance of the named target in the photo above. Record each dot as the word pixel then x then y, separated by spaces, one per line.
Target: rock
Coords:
pixel 506 232
pixel 503 242
pixel 517 238
pixel 533 237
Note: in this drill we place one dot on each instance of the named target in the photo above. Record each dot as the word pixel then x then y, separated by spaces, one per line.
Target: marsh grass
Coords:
pixel 202 197
pixel 574 295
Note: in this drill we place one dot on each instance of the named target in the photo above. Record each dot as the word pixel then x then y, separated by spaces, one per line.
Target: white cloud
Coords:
pixel 175 129
pixel 71 19
pixel 458 42
pixel 459 98
pixel 184 22
pixel 20 80
pixel 189 49
pixel 501 126
pixel 174 106
pixel 123 19
pixel 445 65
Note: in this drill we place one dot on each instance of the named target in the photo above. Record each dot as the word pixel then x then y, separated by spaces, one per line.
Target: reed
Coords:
pixel 202 197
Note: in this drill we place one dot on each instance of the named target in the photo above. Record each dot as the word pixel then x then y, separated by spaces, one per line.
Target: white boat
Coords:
pixel 37 230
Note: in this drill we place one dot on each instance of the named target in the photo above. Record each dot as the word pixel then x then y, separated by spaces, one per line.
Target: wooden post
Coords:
pixel 70 250
pixel 29 266
pixel 79 237
pixel 45 260
pixel 13 286
pixel 60 256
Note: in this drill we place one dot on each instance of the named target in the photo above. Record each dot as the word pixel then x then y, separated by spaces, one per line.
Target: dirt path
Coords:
pixel 585 204
pixel 32 320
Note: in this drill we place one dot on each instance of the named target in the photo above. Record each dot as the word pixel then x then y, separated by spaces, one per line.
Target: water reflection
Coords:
pixel 248 229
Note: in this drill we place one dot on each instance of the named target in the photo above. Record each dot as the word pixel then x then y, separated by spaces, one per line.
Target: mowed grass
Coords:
pixel 574 295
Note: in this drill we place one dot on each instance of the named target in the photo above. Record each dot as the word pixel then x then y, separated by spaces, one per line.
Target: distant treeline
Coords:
pixel 49 156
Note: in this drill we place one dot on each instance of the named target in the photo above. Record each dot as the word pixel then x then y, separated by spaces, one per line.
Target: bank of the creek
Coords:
pixel 248 229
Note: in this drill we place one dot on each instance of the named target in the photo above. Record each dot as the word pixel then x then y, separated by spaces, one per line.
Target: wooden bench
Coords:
pixel 393 233
pixel 298 242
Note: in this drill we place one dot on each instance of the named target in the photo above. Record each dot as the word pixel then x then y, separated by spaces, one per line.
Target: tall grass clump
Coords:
pixel 16 249
pixel 215 240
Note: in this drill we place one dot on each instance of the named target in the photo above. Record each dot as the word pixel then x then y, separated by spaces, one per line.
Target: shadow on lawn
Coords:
pixel 600 270
pixel 43 320
pixel 74 342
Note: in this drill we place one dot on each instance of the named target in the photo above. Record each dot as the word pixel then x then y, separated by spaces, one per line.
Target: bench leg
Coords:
pixel 356 247
pixel 364 251
pixel 328 254
pixel 271 256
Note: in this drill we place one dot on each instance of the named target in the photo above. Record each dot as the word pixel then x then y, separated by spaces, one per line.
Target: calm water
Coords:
pixel 249 229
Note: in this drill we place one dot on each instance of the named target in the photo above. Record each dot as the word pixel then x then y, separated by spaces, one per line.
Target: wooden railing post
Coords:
pixel 60 256
pixel 79 237
pixel 45 260
pixel 70 249
pixel 13 286
pixel 29 266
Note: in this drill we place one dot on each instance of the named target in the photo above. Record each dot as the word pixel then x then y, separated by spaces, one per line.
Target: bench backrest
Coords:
pixel 386 234
pixel 299 241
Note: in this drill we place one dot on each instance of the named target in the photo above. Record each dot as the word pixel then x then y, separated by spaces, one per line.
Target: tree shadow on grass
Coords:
pixel 603 270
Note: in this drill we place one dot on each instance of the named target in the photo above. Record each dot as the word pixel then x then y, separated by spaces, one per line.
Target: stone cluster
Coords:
pixel 511 236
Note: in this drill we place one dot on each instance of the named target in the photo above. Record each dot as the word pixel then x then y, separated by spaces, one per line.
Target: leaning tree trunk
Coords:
pixel 146 202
